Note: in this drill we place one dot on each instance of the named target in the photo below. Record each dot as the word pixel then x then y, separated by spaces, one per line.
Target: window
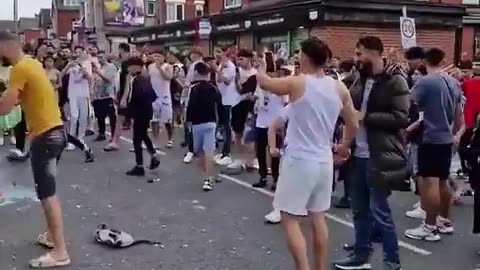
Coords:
pixel 199 10
pixel 175 12
pixel 151 8
pixel 471 2
pixel 233 3
pixel 72 3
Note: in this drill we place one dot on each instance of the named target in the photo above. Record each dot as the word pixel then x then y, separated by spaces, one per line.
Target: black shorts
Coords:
pixel 240 114
pixel 434 160
pixel 103 107
pixel 46 150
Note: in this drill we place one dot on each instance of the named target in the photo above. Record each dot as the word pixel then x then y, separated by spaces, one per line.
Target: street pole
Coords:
pixel 15 15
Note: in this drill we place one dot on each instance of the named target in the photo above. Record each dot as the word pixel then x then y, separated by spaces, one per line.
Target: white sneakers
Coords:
pixel 424 232
pixel 70 147
pixel 208 185
pixel 188 157
pixel 273 217
pixel 224 161
pixel 417 213
pixel 170 144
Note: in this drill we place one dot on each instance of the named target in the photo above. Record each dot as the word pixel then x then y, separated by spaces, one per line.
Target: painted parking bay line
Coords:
pixel 335 218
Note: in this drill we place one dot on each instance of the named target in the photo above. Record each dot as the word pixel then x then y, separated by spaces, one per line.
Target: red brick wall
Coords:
pixel 189 10
pixel 215 6
pixel 64 19
pixel 342 39
pixel 31 35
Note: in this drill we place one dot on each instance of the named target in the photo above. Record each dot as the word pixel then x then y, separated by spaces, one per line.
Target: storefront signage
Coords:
pixel 271 21
pixel 229 27
pixel 144 38
pixel 189 33
pixel 204 29
pixel 233 27
pixel 165 35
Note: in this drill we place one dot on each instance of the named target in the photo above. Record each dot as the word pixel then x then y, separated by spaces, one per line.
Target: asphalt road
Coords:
pixel 220 230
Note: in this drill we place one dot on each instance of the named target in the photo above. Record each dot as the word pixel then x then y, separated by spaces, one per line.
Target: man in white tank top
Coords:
pixel 161 74
pixel 305 182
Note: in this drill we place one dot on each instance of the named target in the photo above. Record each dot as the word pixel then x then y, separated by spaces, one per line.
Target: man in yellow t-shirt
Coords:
pixel 30 87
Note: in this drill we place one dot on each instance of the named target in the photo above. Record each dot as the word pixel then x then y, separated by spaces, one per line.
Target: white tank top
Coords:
pixel 312 120
pixel 159 84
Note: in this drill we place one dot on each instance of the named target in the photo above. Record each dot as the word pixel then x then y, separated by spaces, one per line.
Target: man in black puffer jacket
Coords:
pixel 379 162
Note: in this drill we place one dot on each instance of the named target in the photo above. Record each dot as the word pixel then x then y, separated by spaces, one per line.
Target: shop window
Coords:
pixel 151 9
pixel 476 46
pixel 71 3
pixel 175 12
pixel 471 2
pixel 233 4
pixel 199 10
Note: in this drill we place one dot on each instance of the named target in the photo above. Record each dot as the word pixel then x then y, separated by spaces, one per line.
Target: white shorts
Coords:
pixel 303 186
pixel 162 110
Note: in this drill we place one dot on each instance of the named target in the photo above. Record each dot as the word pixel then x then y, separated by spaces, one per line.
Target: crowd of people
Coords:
pixel 378 122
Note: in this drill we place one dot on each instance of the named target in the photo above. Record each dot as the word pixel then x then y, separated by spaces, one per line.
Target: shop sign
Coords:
pixel 144 38
pixel 269 21
pixel 188 33
pixel 204 29
pixel 165 35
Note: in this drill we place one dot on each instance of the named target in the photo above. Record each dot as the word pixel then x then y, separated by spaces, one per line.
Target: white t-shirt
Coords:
pixel 78 86
pixel 269 107
pixel 159 84
pixel 191 73
pixel 230 96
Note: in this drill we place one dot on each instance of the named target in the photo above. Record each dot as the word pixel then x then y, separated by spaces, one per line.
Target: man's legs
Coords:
pixel 362 217
pixel 83 117
pixel 385 226
pixel 46 151
pixel 320 240
pixel 296 241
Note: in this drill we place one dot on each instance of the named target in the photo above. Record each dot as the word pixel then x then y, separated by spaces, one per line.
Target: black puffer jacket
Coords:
pixel 385 118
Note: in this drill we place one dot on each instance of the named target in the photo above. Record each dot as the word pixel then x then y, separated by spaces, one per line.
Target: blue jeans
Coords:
pixel 371 214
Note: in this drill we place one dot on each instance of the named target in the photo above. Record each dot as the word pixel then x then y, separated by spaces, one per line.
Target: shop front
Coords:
pixel 226 33
pixel 175 37
pixel 276 28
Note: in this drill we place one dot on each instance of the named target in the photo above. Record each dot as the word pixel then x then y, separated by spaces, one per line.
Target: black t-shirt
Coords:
pixel 203 102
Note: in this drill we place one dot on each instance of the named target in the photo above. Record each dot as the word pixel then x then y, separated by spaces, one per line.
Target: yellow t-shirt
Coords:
pixel 37 96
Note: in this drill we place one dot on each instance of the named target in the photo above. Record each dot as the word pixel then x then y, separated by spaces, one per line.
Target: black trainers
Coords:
pixel 89 157
pixel 273 187
pixel 101 138
pixel 343 203
pixel 136 171
pixel 353 263
pixel 89 133
pixel 261 183
pixel 154 162
pixel 207 185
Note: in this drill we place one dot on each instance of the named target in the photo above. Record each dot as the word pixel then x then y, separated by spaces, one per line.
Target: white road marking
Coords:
pixel 329 216
pixel 335 218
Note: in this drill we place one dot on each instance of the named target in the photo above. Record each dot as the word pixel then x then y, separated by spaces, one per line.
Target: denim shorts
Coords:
pixel 46 150
pixel 204 138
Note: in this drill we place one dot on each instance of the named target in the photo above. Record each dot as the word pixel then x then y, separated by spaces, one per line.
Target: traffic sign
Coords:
pixel 408 32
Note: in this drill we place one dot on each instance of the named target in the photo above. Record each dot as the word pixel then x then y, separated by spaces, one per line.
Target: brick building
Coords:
pixel 279 25
pixel 64 13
